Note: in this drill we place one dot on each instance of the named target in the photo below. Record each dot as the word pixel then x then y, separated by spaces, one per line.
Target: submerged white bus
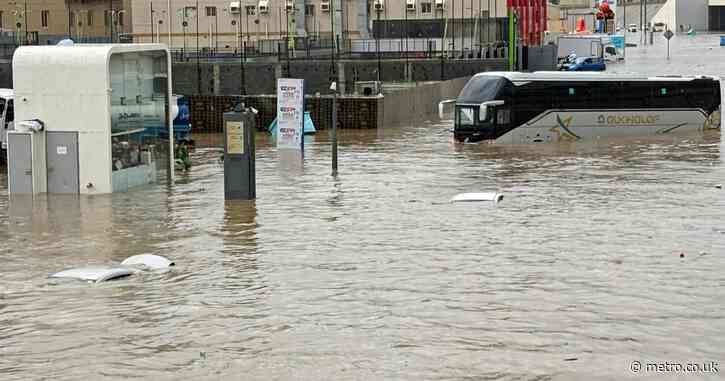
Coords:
pixel 512 107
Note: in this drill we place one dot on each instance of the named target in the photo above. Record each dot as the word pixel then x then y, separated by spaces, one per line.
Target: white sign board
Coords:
pixel 290 113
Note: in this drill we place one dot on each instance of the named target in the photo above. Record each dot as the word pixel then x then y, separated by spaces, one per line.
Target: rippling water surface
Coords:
pixel 374 275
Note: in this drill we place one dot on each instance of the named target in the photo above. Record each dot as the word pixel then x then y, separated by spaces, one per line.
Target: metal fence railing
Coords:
pixel 347 49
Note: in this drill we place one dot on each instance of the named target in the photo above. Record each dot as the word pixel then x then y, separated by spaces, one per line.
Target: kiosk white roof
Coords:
pixel 73 66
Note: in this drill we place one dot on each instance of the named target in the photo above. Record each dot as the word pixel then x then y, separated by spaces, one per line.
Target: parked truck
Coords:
pixel 582 46
pixel 571 47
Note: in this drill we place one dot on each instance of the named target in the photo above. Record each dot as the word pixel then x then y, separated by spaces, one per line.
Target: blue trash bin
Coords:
pixel 722 40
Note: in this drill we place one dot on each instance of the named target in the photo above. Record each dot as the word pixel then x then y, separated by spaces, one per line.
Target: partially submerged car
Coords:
pixel 586 64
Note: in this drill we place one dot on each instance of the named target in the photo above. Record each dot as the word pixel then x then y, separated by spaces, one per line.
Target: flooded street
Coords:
pixel 374 275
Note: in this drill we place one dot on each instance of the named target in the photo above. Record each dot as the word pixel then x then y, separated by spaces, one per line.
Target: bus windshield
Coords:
pixel 481 88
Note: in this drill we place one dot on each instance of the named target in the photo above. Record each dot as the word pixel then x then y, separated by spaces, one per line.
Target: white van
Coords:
pixel 7 117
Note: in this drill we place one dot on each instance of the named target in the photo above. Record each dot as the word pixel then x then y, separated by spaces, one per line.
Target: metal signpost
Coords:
pixel 668 35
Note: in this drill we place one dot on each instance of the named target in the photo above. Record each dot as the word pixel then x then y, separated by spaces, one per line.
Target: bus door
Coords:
pixel 490 117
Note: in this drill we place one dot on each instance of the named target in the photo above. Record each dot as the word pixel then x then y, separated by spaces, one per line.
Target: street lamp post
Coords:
pixel 242 50
pixel 110 20
pixel 25 16
pixel 152 20
pixel 20 19
pixel 453 27
pixel 184 24
pixel 198 62
pixel 70 21
pixel 377 44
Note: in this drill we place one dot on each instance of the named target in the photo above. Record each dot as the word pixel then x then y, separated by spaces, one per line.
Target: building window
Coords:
pixel 189 12
pixel 73 19
pixel 211 11
pixel 251 10
pixel 309 9
pixel 106 18
pixel 44 15
pixel 90 18
pixel 426 7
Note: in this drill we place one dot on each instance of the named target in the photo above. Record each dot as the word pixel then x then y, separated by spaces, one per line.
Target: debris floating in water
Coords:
pixel 129 266
pixel 94 273
pixel 153 262
pixel 474 197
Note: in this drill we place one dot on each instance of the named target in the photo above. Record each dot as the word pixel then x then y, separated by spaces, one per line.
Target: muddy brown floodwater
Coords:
pixel 373 275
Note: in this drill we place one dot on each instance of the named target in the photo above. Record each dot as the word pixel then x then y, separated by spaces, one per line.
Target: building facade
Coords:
pixel 226 24
pixel 47 21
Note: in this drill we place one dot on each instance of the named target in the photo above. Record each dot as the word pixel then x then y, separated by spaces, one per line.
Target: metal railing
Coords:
pixel 296 49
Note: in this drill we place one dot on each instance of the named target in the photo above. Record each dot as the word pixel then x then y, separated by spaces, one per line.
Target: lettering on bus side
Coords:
pixel 628 120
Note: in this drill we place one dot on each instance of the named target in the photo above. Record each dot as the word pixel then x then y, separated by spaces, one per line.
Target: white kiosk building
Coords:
pixel 90 119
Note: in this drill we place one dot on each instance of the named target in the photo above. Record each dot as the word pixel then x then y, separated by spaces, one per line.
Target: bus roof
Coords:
pixel 572 76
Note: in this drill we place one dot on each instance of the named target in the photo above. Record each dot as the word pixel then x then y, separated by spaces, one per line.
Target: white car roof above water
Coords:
pixel 514 76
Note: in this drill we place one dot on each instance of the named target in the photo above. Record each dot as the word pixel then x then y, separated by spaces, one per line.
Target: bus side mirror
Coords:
pixel 441 107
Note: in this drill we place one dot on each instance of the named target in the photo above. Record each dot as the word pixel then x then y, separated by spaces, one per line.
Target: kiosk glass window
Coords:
pixel 139 128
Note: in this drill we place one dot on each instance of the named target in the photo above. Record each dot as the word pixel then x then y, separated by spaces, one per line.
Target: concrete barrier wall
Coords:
pixel 419 103
pixel 225 78
pixel 400 107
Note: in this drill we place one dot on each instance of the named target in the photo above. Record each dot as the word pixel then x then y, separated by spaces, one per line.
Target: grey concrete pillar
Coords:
pixel 341 76
pixel 217 79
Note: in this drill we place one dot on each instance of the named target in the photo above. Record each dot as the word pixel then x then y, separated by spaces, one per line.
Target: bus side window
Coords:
pixel 503 116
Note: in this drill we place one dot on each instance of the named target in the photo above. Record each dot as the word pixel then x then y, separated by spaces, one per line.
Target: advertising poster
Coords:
pixel 235 138
pixel 290 113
